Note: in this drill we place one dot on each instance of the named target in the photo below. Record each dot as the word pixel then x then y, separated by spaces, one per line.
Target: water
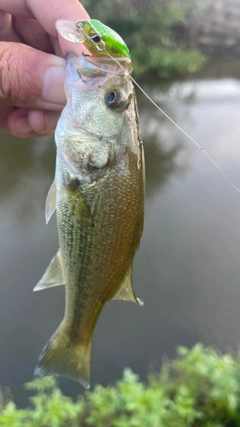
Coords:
pixel 187 269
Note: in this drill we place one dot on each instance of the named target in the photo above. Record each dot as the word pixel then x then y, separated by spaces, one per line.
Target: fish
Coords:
pixel 98 195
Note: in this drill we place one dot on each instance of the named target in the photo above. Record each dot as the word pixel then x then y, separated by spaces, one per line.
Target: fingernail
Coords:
pixel 51 119
pixel 53 85
pixel 22 126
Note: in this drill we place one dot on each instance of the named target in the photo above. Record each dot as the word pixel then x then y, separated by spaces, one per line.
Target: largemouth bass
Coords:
pixel 98 194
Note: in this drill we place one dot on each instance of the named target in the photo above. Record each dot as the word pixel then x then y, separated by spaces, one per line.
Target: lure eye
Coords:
pixel 96 39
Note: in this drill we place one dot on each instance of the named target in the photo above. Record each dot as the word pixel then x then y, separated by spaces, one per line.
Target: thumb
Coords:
pixel 31 78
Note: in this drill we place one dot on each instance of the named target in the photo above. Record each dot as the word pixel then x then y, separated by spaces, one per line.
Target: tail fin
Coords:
pixel 62 356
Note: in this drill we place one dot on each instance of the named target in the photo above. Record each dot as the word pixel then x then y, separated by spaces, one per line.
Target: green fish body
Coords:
pixel 98 194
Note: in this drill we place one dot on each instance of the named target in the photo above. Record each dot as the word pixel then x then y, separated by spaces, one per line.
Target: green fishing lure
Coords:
pixel 99 39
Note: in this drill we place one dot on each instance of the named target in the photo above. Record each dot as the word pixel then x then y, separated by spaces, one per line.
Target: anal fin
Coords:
pixel 53 276
pixel 126 292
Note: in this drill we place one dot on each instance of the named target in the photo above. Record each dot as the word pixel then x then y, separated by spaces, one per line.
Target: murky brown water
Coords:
pixel 188 267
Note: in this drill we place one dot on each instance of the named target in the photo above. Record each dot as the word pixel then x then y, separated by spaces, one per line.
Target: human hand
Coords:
pixel 31 75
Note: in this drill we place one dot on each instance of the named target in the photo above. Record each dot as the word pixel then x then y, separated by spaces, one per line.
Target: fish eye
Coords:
pixel 96 39
pixel 117 100
pixel 113 98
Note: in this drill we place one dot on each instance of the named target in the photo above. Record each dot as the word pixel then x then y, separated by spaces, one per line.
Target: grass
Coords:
pixel 200 388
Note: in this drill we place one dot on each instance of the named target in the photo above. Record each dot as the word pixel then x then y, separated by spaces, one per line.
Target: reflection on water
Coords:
pixel 187 268
pixel 25 172
pixel 160 164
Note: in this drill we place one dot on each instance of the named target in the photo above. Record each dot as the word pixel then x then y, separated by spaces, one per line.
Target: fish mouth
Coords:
pixel 110 60
pixel 89 66
pixel 122 65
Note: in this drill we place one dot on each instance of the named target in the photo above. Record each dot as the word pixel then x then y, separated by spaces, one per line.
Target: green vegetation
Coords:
pixel 201 388
pixel 147 27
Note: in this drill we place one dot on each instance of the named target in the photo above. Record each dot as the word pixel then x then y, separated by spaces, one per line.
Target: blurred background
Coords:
pixel 187 270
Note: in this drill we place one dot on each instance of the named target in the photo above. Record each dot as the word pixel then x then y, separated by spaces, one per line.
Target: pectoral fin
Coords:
pixel 53 276
pixel 50 202
pixel 81 210
pixel 125 292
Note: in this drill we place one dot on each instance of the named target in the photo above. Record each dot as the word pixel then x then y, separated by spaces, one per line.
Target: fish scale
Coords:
pixel 114 215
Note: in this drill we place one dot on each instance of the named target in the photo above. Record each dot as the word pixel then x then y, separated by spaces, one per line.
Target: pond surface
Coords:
pixel 187 269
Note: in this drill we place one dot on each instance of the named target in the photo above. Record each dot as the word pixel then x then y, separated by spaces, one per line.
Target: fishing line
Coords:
pixel 103 48
pixel 178 127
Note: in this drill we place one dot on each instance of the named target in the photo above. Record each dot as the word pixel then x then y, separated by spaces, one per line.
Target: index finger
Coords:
pixel 47 13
